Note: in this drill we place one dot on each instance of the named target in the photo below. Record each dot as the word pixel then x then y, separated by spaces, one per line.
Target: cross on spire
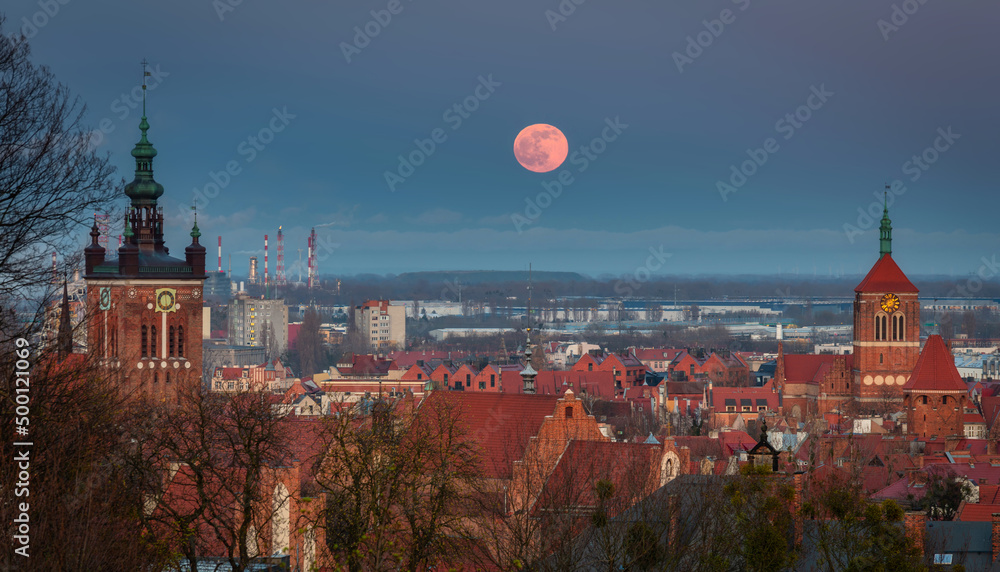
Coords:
pixel 145 74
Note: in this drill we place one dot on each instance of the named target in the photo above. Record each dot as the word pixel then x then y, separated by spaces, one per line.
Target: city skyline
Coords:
pixel 815 108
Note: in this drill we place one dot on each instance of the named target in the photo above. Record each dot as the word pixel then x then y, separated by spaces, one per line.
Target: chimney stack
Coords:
pixel 915 524
pixel 995 537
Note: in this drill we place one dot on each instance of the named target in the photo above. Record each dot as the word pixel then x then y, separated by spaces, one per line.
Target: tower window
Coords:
pixel 171 354
pixel 180 341
pixel 895 328
pixel 902 330
pixel 885 329
pixel 879 358
pixel 142 343
pixel 878 331
pixel 152 341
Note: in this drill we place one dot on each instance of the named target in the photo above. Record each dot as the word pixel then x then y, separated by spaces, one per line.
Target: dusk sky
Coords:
pixel 885 79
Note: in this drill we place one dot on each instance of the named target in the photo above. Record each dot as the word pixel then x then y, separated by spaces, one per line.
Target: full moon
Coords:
pixel 540 148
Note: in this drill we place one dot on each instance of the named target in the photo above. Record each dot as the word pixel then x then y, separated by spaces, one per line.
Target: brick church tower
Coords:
pixel 145 307
pixel 935 396
pixel 886 326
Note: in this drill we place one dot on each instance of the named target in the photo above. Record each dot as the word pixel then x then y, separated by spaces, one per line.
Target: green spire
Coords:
pixel 143 190
pixel 195 233
pixel 885 230
pixel 128 230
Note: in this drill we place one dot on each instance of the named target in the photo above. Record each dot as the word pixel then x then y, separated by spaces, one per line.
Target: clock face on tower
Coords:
pixel 890 303
pixel 165 298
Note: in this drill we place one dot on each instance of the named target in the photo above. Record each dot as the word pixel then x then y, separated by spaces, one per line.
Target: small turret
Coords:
pixel 195 252
pixel 94 253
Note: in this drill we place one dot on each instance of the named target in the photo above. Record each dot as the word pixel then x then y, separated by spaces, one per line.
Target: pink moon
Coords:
pixel 540 148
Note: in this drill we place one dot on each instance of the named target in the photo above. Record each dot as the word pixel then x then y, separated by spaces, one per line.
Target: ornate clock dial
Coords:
pixel 165 300
pixel 890 303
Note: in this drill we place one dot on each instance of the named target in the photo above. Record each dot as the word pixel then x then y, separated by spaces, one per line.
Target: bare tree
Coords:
pixel 396 483
pixel 208 467
pixel 52 179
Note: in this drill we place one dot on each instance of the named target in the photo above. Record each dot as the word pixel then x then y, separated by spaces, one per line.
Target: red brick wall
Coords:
pixel 935 417
pixel 120 328
pixel 875 364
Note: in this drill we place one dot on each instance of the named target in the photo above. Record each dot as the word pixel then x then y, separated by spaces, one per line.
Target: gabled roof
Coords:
pixel 935 369
pixel 498 424
pixel 657 354
pixel 807 367
pixel 886 276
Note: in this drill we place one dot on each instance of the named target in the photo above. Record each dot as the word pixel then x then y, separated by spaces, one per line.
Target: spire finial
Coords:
pixel 195 233
pixel 145 74
pixel 885 229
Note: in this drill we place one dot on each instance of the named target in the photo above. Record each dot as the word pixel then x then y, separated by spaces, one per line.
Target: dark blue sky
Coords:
pixel 654 186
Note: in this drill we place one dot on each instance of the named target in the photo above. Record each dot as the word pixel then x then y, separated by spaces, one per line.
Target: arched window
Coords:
pixel 145 348
pixel 880 359
pixel 878 332
pixel 885 329
pixel 923 399
pixel 180 341
pixel 171 354
pixel 902 328
pixel 152 341
pixel 944 400
pixel 895 328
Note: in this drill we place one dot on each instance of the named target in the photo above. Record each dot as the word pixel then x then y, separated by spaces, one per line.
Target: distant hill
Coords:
pixel 469 277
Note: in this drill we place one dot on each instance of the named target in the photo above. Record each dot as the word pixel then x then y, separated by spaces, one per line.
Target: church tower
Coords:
pixel 935 395
pixel 886 326
pixel 145 306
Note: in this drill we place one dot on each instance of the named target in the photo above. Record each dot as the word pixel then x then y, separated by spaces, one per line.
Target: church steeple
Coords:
pixel 885 230
pixel 143 190
pixel 64 338
pixel 146 219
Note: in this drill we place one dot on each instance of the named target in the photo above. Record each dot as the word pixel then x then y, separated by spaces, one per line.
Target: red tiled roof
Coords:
pixel 935 369
pixel 805 368
pixel 406 360
pixel 886 276
pixel 500 424
pixel 973 418
pixel 658 354
pixel 901 489
pixel 978 512
pixel 631 467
